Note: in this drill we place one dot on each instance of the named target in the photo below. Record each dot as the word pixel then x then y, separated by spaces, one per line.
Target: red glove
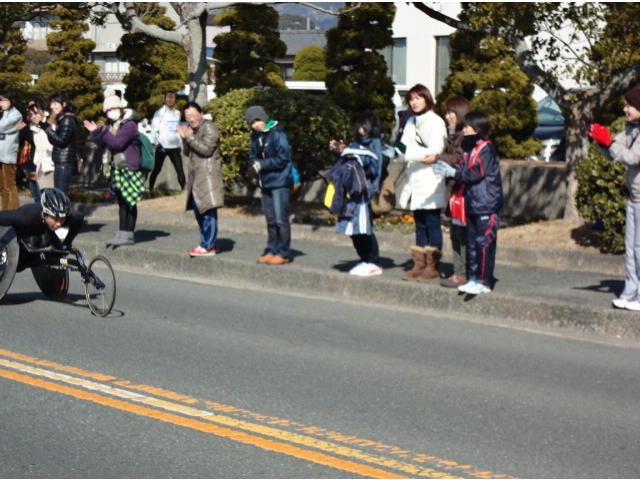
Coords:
pixel 600 134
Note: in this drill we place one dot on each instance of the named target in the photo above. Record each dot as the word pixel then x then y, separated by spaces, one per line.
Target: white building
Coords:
pixel 420 53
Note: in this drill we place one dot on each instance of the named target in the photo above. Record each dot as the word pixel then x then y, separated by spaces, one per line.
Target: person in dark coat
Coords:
pixel 480 172
pixel 64 140
pixel 270 162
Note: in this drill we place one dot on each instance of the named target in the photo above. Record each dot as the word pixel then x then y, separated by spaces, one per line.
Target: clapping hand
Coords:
pixel 600 134
pixel 185 131
pixel 443 169
pixel 90 125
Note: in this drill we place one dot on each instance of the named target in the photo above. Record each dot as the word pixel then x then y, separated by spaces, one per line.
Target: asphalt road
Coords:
pixel 189 379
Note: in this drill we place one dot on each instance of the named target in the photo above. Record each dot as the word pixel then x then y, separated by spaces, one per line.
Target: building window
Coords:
pixel 41 27
pixel 396 58
pixel 113 65
pixel 443 60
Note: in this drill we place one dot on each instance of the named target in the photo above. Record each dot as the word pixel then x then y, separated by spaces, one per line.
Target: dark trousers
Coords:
pixel 176 159
pixel 482 240
pixel 128 215
pixel 367 248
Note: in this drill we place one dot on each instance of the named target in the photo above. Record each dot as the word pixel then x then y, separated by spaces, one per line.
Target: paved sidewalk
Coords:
pixel 575 295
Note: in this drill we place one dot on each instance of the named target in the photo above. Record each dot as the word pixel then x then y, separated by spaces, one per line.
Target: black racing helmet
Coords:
pixel 55 203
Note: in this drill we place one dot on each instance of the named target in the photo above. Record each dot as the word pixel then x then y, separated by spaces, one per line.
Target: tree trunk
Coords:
pixel 194 45
pixel 577 143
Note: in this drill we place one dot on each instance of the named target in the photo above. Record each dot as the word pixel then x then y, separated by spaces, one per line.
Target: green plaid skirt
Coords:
pixel 129 184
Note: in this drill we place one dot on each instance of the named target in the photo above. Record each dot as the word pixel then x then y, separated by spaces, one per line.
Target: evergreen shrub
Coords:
pixel 602 193
pixel 310 122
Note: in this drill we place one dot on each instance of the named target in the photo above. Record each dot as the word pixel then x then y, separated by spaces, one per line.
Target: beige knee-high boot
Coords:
pixel 432 271
pixel 419 263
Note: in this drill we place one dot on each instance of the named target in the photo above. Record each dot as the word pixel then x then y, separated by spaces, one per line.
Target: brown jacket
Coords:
pixel 452 154
pixel 205 182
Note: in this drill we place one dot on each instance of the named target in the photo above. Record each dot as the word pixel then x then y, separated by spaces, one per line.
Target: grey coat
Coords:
pixel 205 182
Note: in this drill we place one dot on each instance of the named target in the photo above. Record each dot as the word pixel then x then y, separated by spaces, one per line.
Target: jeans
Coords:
pixel 208 223
pixel 34 188
pixel 62 176
pixel 176 159
pixel 428 229
pixel 275 204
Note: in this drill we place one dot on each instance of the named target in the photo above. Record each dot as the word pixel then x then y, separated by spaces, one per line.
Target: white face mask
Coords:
pixel 113 115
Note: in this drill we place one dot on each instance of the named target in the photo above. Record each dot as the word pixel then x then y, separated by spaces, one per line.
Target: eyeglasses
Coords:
pixel 5 100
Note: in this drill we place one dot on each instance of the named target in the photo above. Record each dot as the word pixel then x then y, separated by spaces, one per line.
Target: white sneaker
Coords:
pixel 633 305
pixel 368 270
pixel 619 302
pixel 463 288
pixel 477 288
pixel 356 270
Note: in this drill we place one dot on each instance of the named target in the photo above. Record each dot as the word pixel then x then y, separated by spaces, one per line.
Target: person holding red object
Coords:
pixel 625 149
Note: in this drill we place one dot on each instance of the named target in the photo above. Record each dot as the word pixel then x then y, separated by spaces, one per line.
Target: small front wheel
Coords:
pixel 100 286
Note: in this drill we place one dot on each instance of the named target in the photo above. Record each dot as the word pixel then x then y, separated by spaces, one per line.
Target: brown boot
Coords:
pixel 419 263
pixel 432 272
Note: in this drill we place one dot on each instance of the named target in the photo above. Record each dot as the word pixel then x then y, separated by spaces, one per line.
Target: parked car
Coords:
pixel 550 131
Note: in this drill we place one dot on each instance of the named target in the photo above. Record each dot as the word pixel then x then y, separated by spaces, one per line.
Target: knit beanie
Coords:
pixel 111 100
pixel 633 97
pixel 255 113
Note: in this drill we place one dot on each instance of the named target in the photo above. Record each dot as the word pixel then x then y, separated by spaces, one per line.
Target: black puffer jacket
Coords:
pixel 63 139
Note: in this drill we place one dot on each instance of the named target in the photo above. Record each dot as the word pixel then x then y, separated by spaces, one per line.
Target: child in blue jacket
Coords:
pixel 480 171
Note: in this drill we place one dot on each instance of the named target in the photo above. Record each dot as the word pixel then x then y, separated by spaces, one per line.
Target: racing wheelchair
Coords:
pixel 51 267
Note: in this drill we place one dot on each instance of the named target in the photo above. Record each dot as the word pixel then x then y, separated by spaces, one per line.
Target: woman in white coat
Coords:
pixel 423 133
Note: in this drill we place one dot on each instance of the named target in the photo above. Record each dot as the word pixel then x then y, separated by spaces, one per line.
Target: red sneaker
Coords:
pixel 203 252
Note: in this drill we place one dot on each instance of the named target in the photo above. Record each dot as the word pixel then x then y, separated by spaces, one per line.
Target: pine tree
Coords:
pixel 358 77
pixel 310 64
pixel 484 70
pixel 71 73
pixel 12 75
pixel 245 54
pixel 155 67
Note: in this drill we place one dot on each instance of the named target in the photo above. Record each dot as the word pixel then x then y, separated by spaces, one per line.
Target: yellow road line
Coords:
pixel 412 469
pixel 307 455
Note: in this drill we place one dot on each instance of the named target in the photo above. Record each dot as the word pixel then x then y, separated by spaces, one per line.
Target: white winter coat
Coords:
pixel 423 134
pixel 43 151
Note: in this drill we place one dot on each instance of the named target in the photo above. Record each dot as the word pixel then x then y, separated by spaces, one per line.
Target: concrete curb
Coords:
pixel 499 308
pixel 516 255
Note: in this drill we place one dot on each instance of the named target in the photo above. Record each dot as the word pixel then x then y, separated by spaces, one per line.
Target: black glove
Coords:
pixel 251 172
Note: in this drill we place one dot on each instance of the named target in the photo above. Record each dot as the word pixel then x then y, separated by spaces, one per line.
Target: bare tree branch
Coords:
pixel 132 23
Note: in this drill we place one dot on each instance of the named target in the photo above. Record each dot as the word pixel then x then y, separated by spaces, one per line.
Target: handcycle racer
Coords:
pixel 40 237
pixel 50 224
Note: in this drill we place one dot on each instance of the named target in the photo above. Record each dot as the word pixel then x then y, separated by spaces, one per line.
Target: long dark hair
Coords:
pixel 67 106
pixel 460 107
pixel 421 91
